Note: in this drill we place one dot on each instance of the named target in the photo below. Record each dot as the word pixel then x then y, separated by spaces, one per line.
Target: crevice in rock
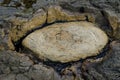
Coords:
pixel 87 18
pixel 103 54
pixel 107 24
pixel 57 66
pixel 82 9
pixel 18 44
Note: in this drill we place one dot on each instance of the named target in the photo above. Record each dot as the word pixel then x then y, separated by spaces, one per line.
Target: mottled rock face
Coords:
pixel 112 19
pixel 56 13
pixel 17 21
pixel 65 42
pixel 38 19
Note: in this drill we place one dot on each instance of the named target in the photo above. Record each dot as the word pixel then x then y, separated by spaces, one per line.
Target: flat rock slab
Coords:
pixel 65 42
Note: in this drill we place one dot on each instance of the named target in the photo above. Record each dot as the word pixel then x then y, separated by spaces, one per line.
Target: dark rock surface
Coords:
pixel 16 66
pixel 108 69
pixel 24 66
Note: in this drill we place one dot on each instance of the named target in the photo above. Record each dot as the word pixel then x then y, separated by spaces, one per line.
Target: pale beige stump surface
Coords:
pixel 65 42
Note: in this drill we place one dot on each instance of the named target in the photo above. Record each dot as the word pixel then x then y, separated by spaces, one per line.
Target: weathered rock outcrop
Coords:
pixel 14 66
pixel 52 14
pixel 112 19
pixel 106 70
pixel 36 21
pixel 66 42
pixel 56 13
pixel 19 18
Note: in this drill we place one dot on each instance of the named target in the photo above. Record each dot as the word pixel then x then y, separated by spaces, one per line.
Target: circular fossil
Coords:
pixel 65 42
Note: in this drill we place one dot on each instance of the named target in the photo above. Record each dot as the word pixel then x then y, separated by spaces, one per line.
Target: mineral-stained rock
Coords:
pixel 37 20
pixel 5 42
pixel 117 32
pixel 65 42
pixel 17 20
pixel 112 19
pixel 114 22
pixel 56 13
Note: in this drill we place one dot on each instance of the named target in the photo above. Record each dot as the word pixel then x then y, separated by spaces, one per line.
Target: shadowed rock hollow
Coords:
pixel 65 42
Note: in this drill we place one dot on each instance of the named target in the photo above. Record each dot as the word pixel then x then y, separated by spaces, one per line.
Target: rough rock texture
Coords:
pixel 66 42
pixel 5 41
pixel 56 13
pixel 14 66
pixel 38 19
pixel 112 18
pixel 52 14
pixel 22 65
pixel 7 12
pixel 64 12
pixel 109 68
